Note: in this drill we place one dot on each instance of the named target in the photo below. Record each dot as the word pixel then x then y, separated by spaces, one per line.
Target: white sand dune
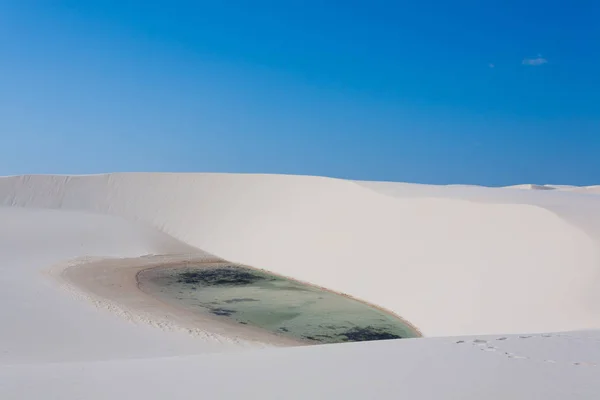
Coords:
pixel 533 187
pixel 453 260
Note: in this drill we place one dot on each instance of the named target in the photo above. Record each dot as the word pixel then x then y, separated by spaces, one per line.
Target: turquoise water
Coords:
pixel 273 303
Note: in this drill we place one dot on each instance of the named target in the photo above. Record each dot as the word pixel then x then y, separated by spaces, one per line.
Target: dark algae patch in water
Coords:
pixel 272 303
pixel 222 312
pixel 223 276
pixel 356 334
pixel 238 300
pixel 369 333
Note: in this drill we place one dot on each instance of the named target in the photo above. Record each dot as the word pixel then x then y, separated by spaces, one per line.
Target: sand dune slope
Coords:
pixel 452 260
pixel 41 323
pixel 447 265
pixel 550 367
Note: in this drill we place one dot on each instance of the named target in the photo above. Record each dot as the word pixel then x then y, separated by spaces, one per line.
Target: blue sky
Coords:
pixel 492 93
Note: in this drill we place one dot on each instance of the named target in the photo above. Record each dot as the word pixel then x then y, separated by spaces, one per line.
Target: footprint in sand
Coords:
pixel 516 357
pixel 483 345
pixel 585 364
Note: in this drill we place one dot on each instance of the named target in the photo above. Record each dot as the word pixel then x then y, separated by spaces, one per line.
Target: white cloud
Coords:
pixel 535 62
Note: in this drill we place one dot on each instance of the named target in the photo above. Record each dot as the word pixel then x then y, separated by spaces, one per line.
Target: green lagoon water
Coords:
pixel 273 303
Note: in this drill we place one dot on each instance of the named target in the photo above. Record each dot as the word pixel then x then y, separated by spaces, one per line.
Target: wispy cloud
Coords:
pixel 535 62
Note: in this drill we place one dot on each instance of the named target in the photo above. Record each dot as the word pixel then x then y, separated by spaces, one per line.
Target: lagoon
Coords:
pixel 279 305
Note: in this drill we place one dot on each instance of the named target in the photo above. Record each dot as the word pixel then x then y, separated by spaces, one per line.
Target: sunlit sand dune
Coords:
pixel 520 267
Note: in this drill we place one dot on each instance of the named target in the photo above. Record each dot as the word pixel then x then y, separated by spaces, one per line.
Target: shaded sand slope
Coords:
pixel 42 324
pixel 447 265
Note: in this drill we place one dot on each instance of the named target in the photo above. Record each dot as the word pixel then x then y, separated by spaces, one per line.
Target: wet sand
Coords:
pixel 112 283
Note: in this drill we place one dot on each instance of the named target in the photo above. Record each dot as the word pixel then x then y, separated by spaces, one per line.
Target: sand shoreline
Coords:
pixel 114 284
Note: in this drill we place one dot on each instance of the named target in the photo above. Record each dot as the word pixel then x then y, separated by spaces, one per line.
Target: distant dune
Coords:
pixel 534 187
pixel 455 260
